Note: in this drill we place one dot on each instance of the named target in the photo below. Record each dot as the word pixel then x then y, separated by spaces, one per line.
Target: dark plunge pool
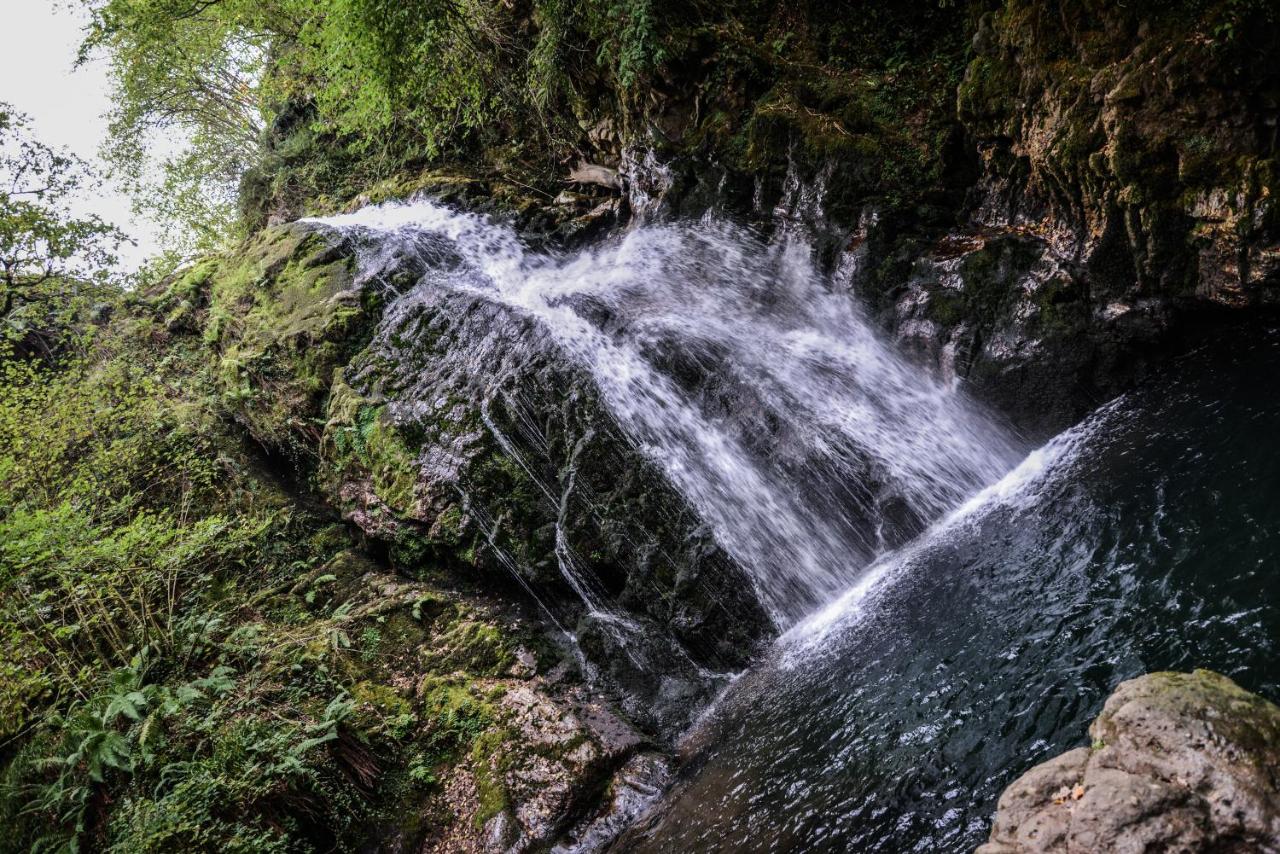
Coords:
pixel 1151 542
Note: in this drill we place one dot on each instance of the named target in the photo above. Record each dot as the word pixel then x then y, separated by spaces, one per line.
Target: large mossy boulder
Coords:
pixel 1183 762
pixel 279 315
pixel 463 438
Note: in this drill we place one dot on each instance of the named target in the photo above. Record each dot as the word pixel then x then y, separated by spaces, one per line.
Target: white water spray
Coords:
pixel 1021 487
pixel 760 391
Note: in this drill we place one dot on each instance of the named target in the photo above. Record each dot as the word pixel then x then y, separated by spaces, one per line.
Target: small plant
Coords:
pixel 370 640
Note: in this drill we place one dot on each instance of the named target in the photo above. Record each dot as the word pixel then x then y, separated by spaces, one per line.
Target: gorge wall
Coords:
pixel 1033 197
pixel 1036 200
pixel 1038 204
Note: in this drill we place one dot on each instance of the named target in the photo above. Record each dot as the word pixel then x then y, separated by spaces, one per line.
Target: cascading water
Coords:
pixel 826 467
pixel 762 393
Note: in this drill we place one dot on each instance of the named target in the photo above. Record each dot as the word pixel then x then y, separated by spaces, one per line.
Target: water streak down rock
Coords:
pixel 799 445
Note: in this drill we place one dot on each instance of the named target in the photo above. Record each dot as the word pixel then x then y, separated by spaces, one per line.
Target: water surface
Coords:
pixel 1146 539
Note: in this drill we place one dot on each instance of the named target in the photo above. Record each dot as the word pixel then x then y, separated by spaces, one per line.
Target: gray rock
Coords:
pixel 591 173
pixel 636 786
pixel 1180 762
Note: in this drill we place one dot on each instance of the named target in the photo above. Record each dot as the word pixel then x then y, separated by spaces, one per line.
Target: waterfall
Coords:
pixel 760 389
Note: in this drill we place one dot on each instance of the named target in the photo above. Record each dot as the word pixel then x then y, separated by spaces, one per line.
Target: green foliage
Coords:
pixel 102 478
pixel 127 512
pixel 418 68
pixel 108 735
pixel 630 41
pixel 196 663
pixel 221 778
pixel 296 97
pixel 305 104
pixel 187 73
pixel 52 263
pixel 1244 24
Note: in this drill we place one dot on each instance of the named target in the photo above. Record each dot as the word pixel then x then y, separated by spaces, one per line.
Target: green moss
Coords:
pixel 988 91
pixel 490 759
pixel 186 294
pixel 474 646
pixel 284 315
pixel 360 441
pixel 454 713
pixel 380 709
pixel 391 461
pixel 448 526
pixel 947 307
pixel 406 185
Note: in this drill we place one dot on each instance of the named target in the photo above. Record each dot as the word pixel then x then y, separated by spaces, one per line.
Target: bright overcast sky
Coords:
pixel 67 106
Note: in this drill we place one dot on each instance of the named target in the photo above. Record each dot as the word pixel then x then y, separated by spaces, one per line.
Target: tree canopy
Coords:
pixel 46 251
pixel 371 80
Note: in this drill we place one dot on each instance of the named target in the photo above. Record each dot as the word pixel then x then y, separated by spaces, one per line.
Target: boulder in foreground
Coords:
pixel 1180 762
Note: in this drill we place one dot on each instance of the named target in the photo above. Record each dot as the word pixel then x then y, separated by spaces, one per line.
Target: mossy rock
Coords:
pixel 471 645
pixel 285 312
pixel 1179 761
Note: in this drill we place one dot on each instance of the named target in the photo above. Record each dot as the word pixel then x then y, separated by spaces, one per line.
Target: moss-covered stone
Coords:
pixel 472 645
pixel 1135 115
pixel 284 313
pixel 1178 761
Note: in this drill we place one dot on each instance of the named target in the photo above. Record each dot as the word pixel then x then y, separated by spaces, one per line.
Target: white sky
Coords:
pixel 67 106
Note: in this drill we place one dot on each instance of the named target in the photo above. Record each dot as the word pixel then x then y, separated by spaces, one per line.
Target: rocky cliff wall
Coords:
pixel 1040 199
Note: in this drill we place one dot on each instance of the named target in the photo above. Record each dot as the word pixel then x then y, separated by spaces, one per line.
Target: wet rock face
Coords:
pixel 463 444
pixel 997 311
pixel 1137 140
pixel 559 753
pixel 514 467
pixel 1180 762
